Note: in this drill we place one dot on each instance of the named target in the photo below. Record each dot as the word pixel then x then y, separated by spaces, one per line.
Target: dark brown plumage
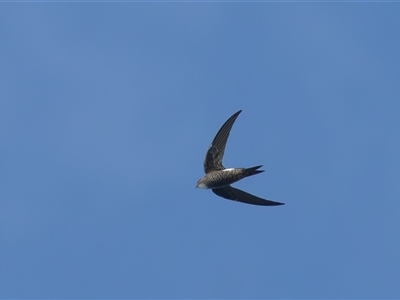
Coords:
pixel 218 178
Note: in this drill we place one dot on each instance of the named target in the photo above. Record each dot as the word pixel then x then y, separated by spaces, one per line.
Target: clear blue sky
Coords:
pixel 107 110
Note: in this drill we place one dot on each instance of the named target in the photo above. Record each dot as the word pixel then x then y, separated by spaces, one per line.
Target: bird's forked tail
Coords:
pixel 252 171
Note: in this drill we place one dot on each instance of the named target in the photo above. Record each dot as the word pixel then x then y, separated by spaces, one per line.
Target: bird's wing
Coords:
pixel 215 153
pixel 231 193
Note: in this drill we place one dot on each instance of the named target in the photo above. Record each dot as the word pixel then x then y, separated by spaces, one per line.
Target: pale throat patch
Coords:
pixel 202 186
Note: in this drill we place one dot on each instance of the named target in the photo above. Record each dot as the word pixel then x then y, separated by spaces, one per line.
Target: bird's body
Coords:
pixel 218 178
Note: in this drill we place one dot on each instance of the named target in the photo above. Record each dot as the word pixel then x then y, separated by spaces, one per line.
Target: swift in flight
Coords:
pixel 219 179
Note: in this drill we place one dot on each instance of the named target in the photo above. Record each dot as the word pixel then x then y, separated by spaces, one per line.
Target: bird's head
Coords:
pixel 201 184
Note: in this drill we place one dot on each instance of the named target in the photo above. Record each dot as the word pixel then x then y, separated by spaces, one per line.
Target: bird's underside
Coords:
pixel 220 181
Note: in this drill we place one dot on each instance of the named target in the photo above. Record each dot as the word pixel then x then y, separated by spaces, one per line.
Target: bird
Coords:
pixel 219 179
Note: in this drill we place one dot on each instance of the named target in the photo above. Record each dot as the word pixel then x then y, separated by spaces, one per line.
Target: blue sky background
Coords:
pixel 107 110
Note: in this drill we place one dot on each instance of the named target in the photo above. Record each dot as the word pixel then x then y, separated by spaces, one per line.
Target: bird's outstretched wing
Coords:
pixel 215 153
pixel 231 193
